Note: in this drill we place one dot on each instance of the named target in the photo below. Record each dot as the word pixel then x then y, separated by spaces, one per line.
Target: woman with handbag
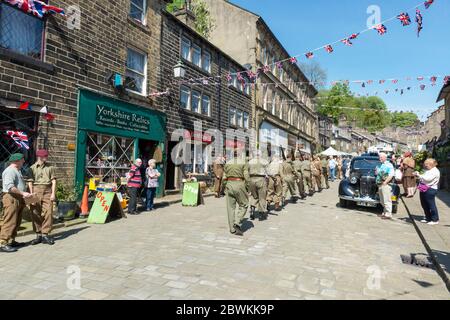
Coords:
pixel 428 188
pixel 151 183
pixel 409 179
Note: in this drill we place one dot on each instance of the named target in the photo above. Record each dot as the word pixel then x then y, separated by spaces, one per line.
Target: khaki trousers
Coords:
pixel 258 191
pixel 300 184
pixel 386 199
pixel 11 218
pixel 307 178
pixel 275 190
pixel 218 185
pixel 289 185
pixel 236 195
pixel 42 211
pixel 325 177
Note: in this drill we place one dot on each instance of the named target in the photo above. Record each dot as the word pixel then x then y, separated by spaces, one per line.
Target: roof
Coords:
pixel 445 92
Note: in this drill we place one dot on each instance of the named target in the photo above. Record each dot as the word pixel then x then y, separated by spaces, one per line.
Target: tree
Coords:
pixel 314 72
pixel 404 119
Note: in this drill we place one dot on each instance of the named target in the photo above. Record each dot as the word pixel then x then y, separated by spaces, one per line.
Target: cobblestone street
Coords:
pixel 312 250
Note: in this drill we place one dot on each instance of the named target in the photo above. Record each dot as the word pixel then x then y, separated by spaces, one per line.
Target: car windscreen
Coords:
pixel 365 164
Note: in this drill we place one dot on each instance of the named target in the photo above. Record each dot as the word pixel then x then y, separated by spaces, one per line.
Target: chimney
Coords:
pixel 186 15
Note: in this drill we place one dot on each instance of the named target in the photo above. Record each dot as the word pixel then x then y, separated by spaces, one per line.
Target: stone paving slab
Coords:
pixel 311 250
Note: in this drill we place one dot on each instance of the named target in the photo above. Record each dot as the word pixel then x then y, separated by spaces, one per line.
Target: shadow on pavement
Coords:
pixel 444 197
pixel 247 225
pixel 65 234
pixel 423 284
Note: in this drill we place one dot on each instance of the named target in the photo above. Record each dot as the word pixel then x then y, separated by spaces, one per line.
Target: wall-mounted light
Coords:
pixel 179 70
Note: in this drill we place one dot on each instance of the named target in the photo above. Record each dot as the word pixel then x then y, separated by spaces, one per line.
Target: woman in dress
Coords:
pixel 428 188
pixel 152 175
pixel 409 179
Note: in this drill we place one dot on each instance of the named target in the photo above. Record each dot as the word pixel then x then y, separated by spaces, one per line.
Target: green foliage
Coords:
pixel 420 159
pixel 66 192
pixel 404 119
pixel 175 5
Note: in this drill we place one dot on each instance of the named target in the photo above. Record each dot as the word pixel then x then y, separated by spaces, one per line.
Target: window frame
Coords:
pixel 199 106
pixel 232 118
pixel 208 54
pixel 185 40
pixel 209 105
pixel 193 47
pixel 144 12
pixel 145 74
pixel 188 91
pixel 246 120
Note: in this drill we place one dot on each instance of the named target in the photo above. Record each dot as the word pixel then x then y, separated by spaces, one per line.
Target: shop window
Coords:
pixel 195 106
pixel 185 97
pixel 108 157
pixel 246 120
pixel 136 73
pixel 206 105
pixel 206 62
pixel 138 10
pixel 197 55
pixel 186 48
pixel 232 116
pixel 20 32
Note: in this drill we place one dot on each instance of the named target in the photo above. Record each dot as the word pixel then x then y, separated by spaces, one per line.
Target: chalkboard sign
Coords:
pixel 191 194
pixel 106 204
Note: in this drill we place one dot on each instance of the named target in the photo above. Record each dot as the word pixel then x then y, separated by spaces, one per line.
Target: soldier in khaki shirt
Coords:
pixel 307 175
pixel 42 183
pixel 236 179
pixel 288 175
pixel 275 185
pixel 297 164
pixel 257 168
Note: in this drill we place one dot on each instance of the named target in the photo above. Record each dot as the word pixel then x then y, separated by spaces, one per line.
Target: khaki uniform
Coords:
pixel 297 164
pixel 41 176
pixel 258 187
pixel 275 185
pixel 218 177
pixel 307 176
pixel 288 175
pixel 325 172
pixel 317 174
pixel 236 180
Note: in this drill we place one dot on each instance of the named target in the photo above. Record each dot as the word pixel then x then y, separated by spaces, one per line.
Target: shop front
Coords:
pixel 112 134
pixel 274 138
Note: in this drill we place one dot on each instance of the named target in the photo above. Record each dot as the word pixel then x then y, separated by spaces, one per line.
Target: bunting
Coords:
pixel 36 8
pixel 20 139
pixel 419 21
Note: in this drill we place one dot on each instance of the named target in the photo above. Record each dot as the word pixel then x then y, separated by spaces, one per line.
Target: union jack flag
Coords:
pixel 354 36
pixel 229 77
pixel 420 78
pixel 381 29
pixel 347 42
pixel 404 19
pixel 329 48
pixel 279 65
pixel 35 7
pixel 422 87
pixel 433 79
pixel 428 3
pixel 395 81
pixel 309 55
pixel 20 138
pixel 419 20
pixel 266 68
pixel 293 60
pixel 382 81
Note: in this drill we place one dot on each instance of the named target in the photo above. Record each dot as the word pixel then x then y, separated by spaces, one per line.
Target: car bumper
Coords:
pixel 367 200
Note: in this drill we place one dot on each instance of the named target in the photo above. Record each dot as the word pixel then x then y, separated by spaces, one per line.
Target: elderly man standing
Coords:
pixel 133 185
pixel 385 174
pixel 42 183
pixel 14 193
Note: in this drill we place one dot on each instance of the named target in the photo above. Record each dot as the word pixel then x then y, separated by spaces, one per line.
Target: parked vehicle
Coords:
pixel 360 186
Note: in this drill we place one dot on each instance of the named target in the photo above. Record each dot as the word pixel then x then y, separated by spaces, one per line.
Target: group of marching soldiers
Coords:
pixel 267 184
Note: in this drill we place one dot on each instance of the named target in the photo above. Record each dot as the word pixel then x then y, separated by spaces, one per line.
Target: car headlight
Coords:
pixel 353 180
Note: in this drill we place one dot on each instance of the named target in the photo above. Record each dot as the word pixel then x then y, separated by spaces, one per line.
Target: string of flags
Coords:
pixel 20 138
pixel 35 7
pixel 50 117
pixel 381 29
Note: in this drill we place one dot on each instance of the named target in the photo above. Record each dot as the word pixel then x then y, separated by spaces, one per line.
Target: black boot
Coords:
pixel 252 213
pixel 7 248
pixel 238 231
pixel 46 239
pixel 16 244
pixel 37 240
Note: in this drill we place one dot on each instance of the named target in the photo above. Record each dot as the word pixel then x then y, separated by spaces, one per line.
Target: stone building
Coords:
pixel 432 127
pixel 93 77
pixel 325 132
pixel 204 96
pixel 283 107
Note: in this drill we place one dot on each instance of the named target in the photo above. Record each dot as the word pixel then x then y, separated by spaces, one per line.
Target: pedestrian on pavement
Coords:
pixel 218 165
pixel 384 175
pixel 151 183
pixel 332 165
pixel 409 179
pixel 275 185
pixel 428 187
pixel 307 175
pixel 257 168
pixel 325 170
pixel 288 175
pixel 42 184
pixel 236 179
pixel 14 193
pixel 317 173
pixel 133 186
pixel 297 164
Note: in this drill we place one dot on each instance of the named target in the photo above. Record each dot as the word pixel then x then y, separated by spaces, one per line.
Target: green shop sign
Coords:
pixel 115 118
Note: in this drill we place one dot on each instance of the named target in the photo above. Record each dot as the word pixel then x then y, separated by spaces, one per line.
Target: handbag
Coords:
pixel 398 175
pixel 423 187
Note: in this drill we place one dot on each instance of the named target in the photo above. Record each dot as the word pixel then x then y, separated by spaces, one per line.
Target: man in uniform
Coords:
pixel 13 187
pixel 218 176
pixel 297 164
pixel 288 175
pixel 236 180
pixel 307 176
pixel 275 185
pixel 257 168
pixel 325 169
pixel 42 183
pixel 317 173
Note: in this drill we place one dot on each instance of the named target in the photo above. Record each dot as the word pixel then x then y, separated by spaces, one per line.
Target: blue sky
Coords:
pixel 303 25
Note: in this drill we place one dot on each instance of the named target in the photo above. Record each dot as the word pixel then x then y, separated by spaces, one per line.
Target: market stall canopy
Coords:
pixel 331 152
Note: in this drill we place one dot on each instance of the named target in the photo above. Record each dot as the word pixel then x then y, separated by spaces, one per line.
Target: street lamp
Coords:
pixel 179 71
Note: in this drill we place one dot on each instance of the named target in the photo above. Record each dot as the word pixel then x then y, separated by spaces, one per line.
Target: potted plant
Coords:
pixel 66 195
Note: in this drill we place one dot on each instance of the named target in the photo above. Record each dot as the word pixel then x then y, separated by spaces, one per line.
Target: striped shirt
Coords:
pixel 135 178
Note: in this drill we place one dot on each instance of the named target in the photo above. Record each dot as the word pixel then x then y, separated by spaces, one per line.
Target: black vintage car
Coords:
pixel 360 187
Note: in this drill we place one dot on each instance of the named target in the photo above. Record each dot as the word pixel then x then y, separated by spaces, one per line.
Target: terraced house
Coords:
pixel 283 107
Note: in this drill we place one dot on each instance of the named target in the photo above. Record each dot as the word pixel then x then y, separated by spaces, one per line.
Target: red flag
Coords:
pixel 329 48
pixel 309 55
pixel 25 106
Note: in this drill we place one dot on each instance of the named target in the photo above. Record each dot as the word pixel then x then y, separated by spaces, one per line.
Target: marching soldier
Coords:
pixel 317 173
pixel 289 176
pixel 275 185
pixel 325 169
pixel 236 180
pixel 218 176
pixel 297 164
pixel 257 168
pixel 307 176
pixel 42 183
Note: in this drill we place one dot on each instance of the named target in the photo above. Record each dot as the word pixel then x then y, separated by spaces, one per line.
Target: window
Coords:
pixel 195 101
pixel 274 103
pixel 136 73
pixel 20 32
pixel 234 81
pixel 232 116
pixel 206 105
pixel 239 118
pixel 246 120
pixel 206 62
pixel 185 97
pixel 197 55
pixel 186 49
pixel 138 9
pixel 247 88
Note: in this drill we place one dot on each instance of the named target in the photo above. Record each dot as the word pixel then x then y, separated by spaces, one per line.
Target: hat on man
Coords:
pixel 16 157
pixel 42 153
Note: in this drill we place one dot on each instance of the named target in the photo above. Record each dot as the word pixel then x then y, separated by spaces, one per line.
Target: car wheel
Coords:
pixel 343 203
pixel 394 209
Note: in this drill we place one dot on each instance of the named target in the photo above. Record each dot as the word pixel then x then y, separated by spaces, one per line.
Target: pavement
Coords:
pixel 436 238
pixel 312 250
